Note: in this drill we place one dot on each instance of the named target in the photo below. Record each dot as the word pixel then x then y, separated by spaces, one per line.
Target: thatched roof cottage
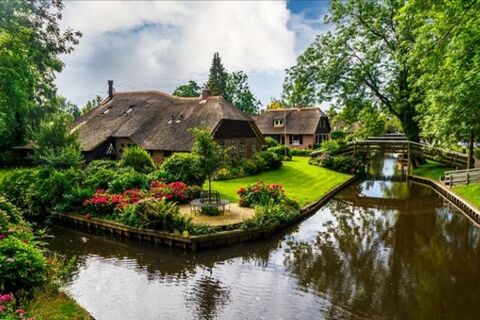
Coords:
pixel 159 123
pixel 301 127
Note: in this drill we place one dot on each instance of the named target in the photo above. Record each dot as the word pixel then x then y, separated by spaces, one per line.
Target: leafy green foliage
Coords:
pixel 361 63
pixel 137 158
pixel 270 142
pixel 282 151
pixel 271 214
pixel 127 178
pixel 91 104
pixel 22 261
pixel 337 134
pixel 238 93
pixel 341 163
pixel 31 42
pixel 261 194
pixel 269 160
pixel 210 154
pixel 192 89
pixel 184 167
pixel 55 146
pixel 158 214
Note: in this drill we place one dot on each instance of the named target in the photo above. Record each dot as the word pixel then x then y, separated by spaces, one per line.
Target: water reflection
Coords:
pixel 380 249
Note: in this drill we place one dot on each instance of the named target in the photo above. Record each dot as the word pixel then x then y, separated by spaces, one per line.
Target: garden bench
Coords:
pixel 207 200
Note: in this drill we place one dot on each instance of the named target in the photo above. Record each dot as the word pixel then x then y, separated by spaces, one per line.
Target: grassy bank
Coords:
pixel 470 192
pixel 302 182
pixel 56 306
pixel 431 169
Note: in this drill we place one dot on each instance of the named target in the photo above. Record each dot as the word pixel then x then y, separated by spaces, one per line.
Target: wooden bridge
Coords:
pixel 399 144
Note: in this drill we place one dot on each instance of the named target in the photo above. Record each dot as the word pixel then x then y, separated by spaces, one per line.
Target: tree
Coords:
pixel 276 104
pixel 447 50
pixel 91 104
pixel 217 80
pixel 192 89
pixel 30 43
pixel 55 145
pixel 210 153
pixel 238 93
pixel 362 61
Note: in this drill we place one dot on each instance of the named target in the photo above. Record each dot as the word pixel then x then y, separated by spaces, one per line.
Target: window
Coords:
pixel 106 111
pixel 296 140
pixel 278 122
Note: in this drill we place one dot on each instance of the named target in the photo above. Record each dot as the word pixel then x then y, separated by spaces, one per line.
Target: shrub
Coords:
pixel 157 214
pixel 184 167
pixel 281 150
pixel 16 185
pixel 138 159
pixel 104 204
pixel 98 178
pixel 23 265
pixel 332 147
pixel 270 214
pixel 127 178
pixel 341 163
pixel 270 142
pixel 260 194
pixel 301 152
pixel 271 161
pixel 250 167
pixel 337 135
pixel 174 191
pixel 210 210
pixel 47 192
pixel 96 165
pixel 160 175
pixel 223 174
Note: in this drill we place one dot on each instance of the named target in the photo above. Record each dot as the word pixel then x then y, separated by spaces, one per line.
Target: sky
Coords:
pixel 161 45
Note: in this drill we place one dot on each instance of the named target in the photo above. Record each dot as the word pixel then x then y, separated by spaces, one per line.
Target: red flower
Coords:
pixel 2 236
pixel 88 216
pixel 20 311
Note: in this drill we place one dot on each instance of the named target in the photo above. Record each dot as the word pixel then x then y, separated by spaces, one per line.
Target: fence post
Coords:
pixel 451 181
pixel 468 178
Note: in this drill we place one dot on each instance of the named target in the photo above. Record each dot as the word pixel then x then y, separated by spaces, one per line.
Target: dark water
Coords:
pixel 379 249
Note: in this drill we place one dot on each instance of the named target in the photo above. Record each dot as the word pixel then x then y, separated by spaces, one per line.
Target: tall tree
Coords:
pixel 361 62
pixel 192 89
pixel 217 80
pixel 447 49
pixel 238 93
pixel 30 42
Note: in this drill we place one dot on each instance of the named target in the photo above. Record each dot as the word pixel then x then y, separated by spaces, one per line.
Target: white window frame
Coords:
pixel 277 122
pixel 297 141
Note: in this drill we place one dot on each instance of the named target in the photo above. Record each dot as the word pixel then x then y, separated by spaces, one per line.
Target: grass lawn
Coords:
pixel 431 169
pixel 302 182
pixel 471 193
pixel 56 306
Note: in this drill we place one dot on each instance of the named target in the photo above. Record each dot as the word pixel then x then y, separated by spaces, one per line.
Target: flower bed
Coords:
pixel 260 193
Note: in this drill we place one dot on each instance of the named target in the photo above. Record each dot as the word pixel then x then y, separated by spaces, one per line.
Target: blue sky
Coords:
pixel 160 45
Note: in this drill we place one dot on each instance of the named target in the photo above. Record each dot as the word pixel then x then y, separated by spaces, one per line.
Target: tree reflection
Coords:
pixel 207 297
pixel 393 264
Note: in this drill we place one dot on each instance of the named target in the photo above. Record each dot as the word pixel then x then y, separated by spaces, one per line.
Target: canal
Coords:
pixel 382 248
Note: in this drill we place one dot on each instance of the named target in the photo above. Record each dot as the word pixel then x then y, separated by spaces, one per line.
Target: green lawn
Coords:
pixel 471 193
pixel 302 182
pixel 431 169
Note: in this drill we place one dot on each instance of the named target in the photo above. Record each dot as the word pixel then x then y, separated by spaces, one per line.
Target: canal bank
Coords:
pixel 377 249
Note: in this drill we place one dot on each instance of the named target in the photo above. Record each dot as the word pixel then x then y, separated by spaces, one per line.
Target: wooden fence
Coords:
pixel 461 177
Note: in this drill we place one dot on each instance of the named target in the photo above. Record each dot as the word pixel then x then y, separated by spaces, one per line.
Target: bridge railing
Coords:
pixel 461 177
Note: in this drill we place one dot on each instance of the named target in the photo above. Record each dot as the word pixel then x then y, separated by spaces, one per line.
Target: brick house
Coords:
pixel 301 127
pixel 159 123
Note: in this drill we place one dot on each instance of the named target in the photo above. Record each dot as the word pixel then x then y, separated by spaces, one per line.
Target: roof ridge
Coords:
pixel 293 109
pixel 158 92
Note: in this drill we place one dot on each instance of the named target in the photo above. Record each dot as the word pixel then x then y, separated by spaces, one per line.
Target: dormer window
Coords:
pixel 278 123
pixel 130 109
pixel 106 111
pixel 180 118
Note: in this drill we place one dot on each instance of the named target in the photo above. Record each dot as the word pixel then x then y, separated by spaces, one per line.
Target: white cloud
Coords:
pixel 159 45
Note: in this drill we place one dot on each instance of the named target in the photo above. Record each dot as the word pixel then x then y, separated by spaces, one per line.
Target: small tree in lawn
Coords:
pixel 210 154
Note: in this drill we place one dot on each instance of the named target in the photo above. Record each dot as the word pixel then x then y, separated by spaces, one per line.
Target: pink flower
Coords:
pixel 2 236
pixel 2 308
pixel 6 297
pixel 20 311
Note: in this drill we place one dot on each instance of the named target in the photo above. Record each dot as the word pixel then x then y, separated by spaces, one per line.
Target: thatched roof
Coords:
pixel 298 120
pixel 153 120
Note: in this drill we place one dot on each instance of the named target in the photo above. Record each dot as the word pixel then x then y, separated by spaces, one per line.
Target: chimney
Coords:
pixel 110 89
pixel 205 94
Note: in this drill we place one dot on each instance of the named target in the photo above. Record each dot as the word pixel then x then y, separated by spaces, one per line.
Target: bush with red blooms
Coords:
pixel 174 191
pixel 103 203
pixel 261 194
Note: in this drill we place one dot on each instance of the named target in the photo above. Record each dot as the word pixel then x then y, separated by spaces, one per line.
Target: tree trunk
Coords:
pixel 209 189
pixel 471 160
